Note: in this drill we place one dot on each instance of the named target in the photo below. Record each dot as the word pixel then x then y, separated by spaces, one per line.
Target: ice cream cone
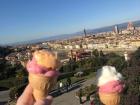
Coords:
pixel 43 73
pixel 110 98
pixel 41 85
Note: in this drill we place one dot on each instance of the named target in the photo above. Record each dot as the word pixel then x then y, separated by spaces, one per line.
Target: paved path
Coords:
pixel 4 96
pixel 69 98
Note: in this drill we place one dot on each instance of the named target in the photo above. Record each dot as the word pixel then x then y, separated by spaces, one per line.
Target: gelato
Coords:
pixel 43 72
pixel 110 84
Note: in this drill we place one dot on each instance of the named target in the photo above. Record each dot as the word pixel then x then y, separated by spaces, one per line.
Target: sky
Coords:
pixel 22 20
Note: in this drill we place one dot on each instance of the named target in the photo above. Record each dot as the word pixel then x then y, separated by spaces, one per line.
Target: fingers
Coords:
pixel 47 101
pixel 26 98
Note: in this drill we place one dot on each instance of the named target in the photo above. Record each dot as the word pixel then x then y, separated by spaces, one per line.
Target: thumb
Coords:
pixel 47 101
pixel 26 98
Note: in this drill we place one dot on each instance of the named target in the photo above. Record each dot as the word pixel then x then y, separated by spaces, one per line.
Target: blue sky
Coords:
pixel 22 20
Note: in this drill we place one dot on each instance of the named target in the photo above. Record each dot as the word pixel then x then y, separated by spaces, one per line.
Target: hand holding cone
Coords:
pixel 43 73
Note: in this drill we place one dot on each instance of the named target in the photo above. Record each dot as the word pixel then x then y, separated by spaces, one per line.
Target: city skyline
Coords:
pixel 27 20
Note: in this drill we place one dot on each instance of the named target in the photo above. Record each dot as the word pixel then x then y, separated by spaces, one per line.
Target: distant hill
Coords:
pixel 110 28
pixel 67 36
pixel 64 36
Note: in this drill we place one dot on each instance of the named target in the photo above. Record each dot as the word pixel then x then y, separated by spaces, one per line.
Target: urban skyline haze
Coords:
pixel 22 20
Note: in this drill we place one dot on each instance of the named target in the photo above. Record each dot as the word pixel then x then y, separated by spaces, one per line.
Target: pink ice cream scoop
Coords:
pixel 34 68
pixel 112 87
pixel 43 73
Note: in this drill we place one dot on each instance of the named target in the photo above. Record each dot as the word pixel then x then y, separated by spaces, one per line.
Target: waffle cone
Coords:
pixel 41 85
pixel 110 98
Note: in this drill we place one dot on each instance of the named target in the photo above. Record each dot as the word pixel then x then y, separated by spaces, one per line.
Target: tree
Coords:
pixel 135 58
pixel 118 62
pixel 20 74
pixel 7 70
pixel 132 81
pixel 95 53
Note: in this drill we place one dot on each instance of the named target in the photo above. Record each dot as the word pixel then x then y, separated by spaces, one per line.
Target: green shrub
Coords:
pixel 13 92
pixel 79 93
pixel 87 91
pixel 93 87
pixel 118 62
pixel 131 94
pixel 8 83
pixel 16 91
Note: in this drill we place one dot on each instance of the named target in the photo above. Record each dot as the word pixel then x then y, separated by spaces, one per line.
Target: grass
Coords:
pixel 8 83
pixel 91 75
pixel 76 79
